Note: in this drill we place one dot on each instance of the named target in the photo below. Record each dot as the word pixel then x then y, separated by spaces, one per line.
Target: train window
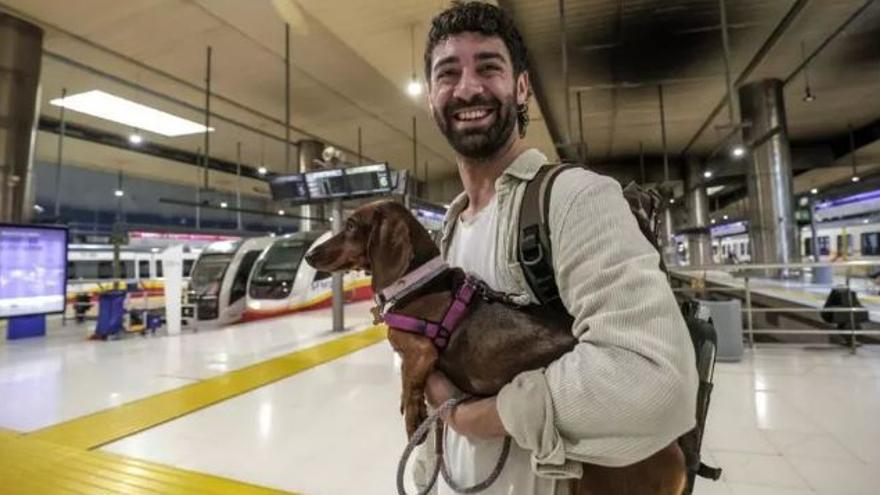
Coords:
pixel 159 269
pixel 871 243
pixel 239 284
pixel 808 246
pixel 322 275
pixel 742 249
pixel 187 267
pixel 143 269
pixel 824 245
pixel 71 270
pixel 105 270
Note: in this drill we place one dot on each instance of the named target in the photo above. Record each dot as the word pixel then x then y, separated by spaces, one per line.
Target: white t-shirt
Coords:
pixel 473 244
pixel 473 249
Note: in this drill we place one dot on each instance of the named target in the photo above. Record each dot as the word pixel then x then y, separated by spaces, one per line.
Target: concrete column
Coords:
pixel 21 48
pixel 770 207
pixel 309 151
pixel 699 240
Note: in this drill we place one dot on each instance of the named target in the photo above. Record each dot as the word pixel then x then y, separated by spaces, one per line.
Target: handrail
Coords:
pixel 701 272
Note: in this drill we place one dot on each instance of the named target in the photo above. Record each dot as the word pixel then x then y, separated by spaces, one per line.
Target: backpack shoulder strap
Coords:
pixel 534 252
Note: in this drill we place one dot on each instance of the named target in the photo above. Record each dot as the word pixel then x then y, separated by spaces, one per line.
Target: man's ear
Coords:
pixel 523 88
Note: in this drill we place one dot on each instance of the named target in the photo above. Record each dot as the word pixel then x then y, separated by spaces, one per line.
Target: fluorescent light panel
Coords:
pixel 106 106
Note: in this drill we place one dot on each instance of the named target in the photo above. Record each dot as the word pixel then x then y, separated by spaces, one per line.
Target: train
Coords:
pixel 282 283
pixel 261 277
pixel 90 271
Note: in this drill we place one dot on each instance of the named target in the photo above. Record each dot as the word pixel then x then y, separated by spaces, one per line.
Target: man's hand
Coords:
pixel 474 419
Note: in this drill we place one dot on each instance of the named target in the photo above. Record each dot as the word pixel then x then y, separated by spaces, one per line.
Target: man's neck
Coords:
pixel 478 176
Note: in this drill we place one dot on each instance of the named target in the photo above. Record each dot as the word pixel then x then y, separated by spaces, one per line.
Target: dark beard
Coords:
pixel 478 144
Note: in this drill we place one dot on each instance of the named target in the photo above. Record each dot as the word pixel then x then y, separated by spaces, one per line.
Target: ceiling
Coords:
pixel 620 51
pixel 352 60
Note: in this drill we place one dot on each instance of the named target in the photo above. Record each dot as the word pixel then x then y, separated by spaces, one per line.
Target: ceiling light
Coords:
pixel 707 174
pixel 106 106
pixel 223 204
pixel 414 88
pixel 713 221
pixel 281 212
pixel 809 96
pixel 135 139
pixel 262 170
pixel 154 250
pixel 725 217
pixel 855 178
pixel 738 151
pixel 814 191
pixel 119 193
pixel 39 209
pixel 672 201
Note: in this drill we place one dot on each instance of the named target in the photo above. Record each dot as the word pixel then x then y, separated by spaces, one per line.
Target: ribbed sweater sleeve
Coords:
pixel 629 387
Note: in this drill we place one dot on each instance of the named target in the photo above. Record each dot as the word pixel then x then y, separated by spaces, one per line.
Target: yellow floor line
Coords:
pixel 103 427
pixel 36 467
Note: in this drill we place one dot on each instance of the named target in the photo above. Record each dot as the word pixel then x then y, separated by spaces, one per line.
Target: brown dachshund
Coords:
pixel 494 342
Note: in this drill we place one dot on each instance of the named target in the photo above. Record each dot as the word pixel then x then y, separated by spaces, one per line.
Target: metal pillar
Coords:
pixel 238 185
pixel 698 234
pixel 338 299
pixel 20 57
pixel 207 116
pixel 61 132
pixel 309 151
pixel 771 209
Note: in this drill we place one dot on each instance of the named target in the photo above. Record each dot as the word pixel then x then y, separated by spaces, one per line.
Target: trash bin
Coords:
pixel 727 319
pixel 823 275
pixel 111 313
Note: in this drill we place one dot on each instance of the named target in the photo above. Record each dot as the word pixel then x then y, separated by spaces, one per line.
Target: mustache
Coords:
pixel 456 104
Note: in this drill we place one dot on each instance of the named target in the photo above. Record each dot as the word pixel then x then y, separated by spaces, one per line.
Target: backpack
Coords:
pixel 536 259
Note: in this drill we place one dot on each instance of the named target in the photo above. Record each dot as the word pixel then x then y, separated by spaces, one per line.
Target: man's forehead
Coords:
pixel 466 46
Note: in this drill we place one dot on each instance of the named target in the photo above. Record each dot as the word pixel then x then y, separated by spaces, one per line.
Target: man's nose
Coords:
pixel 469 85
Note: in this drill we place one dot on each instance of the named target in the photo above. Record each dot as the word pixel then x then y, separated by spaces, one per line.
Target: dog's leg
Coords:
pixel 419 355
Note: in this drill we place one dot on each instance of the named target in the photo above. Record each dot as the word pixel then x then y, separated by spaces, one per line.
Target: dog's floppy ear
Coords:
pixel 389 247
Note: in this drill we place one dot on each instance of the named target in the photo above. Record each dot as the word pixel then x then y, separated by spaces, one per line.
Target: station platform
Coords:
pixel 285 405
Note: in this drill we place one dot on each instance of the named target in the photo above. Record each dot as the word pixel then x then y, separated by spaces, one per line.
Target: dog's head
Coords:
pixel 382 238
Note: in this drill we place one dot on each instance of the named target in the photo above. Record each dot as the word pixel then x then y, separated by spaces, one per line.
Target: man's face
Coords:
pixel 474 95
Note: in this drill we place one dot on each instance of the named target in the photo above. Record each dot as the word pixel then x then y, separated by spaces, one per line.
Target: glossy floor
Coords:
pixel 786 420
pixel 65 376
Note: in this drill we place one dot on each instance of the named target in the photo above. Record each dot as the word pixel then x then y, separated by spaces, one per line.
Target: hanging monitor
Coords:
pixel 326 184
pixel 33 270
pixel 367 180
pixel 289 187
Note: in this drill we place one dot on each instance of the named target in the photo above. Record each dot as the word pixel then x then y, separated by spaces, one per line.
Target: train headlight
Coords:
pixel 254 304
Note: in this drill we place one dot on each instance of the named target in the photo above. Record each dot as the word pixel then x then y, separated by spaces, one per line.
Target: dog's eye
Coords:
pixel 350 227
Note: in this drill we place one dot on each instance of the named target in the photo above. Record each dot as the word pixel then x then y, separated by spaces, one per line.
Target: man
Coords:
pixel 628 389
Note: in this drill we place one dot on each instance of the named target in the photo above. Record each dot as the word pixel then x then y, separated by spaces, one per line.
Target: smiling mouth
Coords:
pixel 472 114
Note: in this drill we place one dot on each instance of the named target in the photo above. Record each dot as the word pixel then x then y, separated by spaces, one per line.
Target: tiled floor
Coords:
pixel 786 420
pixel 796 420
pixel 65 376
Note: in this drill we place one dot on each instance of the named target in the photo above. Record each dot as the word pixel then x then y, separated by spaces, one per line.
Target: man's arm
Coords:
pixel 629 386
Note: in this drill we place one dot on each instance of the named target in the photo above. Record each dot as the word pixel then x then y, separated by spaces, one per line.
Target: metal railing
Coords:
pixel 749 273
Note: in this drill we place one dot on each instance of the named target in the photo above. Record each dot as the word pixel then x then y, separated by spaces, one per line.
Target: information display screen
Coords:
pixel 365 180
pixel 289 187
pixel 326 184
pixel 33 270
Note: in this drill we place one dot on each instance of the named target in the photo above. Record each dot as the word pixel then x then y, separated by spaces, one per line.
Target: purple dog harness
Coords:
pixel 438 332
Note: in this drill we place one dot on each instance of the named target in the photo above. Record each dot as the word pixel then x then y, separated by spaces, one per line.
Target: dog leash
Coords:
pixel 440 463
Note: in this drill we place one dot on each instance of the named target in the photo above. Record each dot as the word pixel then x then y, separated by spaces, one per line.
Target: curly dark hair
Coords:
pixel 488 20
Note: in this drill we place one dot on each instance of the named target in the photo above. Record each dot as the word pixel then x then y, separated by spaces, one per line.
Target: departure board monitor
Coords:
pixel 366 180
pixel 289 187
pixel 326 184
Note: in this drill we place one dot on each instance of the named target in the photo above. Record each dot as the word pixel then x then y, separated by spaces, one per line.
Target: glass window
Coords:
pixel 159 269
pixel 187 267
pixel 144 269
pixel 209 271
pixel 105 270
pixel 808 246
pixel 871 243
pixel 824 245
pixel 239 284
pixel 322 275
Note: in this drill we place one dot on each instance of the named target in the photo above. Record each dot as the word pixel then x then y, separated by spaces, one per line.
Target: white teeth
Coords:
pixel 472 114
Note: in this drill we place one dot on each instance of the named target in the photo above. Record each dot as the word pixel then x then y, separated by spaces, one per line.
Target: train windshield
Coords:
pixel 274 274
pixel 281 262
pixel 209 269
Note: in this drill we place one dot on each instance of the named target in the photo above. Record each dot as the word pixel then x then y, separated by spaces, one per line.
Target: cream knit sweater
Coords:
pixel 629 387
